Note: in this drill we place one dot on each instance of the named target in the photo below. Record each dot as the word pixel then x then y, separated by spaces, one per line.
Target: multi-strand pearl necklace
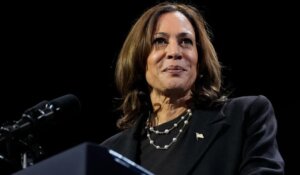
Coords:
pixel 185 119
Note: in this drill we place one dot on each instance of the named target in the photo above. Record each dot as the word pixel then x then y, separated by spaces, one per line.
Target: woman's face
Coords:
pixel 172 63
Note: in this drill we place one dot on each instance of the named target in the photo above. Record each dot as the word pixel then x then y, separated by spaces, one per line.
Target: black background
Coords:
pixel 52 49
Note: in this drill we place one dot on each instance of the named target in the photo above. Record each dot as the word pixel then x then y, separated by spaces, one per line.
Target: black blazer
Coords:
pixel 239 138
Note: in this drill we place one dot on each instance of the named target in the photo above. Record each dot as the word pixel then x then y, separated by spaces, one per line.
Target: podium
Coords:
pixel 85 159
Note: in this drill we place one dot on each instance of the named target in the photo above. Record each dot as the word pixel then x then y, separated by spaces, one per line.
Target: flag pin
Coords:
pixel 199 136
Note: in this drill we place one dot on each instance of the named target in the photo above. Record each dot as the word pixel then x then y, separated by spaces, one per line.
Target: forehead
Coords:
pixel 174 22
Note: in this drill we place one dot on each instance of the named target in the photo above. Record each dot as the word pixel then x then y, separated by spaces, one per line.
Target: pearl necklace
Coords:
pixel 184 118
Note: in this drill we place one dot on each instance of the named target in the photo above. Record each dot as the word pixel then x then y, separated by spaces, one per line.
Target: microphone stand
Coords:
pixel 20 153
pixel 32 152
pixel 20 145
pixel 19 139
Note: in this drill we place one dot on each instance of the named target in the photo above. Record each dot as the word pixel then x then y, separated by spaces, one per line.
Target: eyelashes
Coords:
pixel 159 42
pixel 186 41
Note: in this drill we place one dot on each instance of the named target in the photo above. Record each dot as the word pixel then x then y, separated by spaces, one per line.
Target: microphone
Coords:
pixel 60 108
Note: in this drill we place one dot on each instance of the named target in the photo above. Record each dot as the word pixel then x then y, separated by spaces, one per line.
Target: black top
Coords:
pixel 163 161
pixel 237 139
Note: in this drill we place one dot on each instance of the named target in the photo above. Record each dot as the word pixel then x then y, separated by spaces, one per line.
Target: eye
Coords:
pixel 159 41
pixel 185 42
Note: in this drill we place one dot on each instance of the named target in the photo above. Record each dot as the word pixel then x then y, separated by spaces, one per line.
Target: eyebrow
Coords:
pixel 183 34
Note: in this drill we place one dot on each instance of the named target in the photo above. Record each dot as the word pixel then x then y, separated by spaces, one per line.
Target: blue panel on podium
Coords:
pixel 85 159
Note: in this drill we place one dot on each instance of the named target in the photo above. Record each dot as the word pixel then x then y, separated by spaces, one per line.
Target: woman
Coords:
pixel 176 120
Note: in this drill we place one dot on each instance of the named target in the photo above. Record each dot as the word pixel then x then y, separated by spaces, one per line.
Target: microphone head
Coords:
pixel 61 108
pixel 68 105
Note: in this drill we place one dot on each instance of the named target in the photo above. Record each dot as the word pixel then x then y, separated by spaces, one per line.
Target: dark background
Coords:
pixel 52 49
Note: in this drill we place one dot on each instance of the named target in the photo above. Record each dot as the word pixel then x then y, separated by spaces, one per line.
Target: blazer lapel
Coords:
pixel 132 139
pixel 206 126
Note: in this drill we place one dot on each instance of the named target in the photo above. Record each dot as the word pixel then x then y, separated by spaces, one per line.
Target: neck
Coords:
pixel 167 108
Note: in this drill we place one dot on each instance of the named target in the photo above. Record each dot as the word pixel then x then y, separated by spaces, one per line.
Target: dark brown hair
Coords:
pixel 131 64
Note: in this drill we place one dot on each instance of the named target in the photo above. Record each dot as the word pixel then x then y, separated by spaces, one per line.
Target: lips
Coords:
pixel 173 68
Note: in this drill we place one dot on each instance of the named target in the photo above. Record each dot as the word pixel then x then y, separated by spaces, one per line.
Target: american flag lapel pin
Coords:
pixel 199 136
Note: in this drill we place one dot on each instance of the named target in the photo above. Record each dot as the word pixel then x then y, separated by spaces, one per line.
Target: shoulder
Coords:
pixel 246 103
pixel 249 100
pixel 115 139
pixel 253 118
pixel 250 108
pixel 111 140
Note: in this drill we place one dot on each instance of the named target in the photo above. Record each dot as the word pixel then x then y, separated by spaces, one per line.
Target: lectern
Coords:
pixel 86 159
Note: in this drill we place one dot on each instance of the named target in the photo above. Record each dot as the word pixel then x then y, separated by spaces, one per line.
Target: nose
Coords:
pixel 173 51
